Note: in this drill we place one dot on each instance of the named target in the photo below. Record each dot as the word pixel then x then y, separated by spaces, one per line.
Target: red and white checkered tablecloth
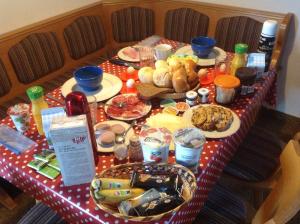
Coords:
pixel 75 204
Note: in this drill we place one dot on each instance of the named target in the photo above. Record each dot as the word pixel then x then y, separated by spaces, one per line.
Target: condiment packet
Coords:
pixel 49 172
pixel 54 164
pixel 37 164
pixel 45 155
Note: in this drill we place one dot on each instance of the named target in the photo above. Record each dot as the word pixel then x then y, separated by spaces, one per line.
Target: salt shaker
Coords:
pixel 203 94
pixel 120 149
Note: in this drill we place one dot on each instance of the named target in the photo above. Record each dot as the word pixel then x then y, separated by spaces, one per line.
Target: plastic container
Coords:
pixel 188 147
pixel 239 59
pixel 191 98
pixel 20 115
pixel 36 95
pixel 155 144
pixel 226 88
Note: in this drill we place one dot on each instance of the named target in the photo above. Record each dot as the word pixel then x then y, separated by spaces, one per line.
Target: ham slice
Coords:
pixel 132 107
pixel 131 53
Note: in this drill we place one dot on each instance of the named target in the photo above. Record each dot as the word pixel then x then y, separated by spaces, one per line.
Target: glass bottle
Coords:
pixel 36 96
pixel 120 150
pixel 239 59
pixel 77 104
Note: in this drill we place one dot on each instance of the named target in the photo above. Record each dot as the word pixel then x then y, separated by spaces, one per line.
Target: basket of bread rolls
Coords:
pixel 170 79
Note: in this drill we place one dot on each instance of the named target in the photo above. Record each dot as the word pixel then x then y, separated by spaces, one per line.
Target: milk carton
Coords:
pixel 73 149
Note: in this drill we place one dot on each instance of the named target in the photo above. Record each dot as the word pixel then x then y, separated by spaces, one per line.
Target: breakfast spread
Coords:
pixel 210 118
pixel 127 106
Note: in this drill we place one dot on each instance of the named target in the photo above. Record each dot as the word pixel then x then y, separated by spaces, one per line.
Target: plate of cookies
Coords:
pixel 107 131
pixel 215 121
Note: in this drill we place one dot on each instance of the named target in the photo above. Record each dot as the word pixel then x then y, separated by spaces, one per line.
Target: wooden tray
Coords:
pixel 176 96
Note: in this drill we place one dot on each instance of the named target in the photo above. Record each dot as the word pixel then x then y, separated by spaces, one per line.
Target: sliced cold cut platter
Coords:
pixel 127 107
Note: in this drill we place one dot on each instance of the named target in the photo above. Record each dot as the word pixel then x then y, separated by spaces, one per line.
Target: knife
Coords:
pixel 123 63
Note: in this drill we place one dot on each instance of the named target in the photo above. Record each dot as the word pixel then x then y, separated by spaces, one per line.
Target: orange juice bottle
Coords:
pixel 36 95
pixel 239 59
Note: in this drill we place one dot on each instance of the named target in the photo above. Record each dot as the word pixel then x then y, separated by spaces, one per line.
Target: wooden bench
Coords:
pixel 109 25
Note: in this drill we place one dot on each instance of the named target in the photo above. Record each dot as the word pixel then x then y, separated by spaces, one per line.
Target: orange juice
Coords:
pixel 36 95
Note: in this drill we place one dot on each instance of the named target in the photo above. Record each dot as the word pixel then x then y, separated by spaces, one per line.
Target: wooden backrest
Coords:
pixel 238 29
pixel 283 201
pixel 76 52
pixel 185 23
pixel 84 36
pixel 132 24
pixel 36 56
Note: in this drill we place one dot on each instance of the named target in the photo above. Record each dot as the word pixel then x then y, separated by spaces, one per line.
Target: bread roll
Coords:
pixel 179 81
pixel 189 65
pixel 192 78
pixel 174 64
pixel 146 75
pixel 162 77
pixel 161 64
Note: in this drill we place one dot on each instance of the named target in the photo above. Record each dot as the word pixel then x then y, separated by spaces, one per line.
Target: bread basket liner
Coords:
pixel 124 170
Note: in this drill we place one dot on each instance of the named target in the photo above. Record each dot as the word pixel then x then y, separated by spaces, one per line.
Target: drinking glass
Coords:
pixel 93 108
pixel 146 56
pixel 222 66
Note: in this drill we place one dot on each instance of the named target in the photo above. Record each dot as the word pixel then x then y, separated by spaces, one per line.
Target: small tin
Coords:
pixel 203 95
pixel 191 98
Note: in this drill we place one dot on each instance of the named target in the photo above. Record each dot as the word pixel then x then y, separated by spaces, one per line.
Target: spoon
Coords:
pixel 123 136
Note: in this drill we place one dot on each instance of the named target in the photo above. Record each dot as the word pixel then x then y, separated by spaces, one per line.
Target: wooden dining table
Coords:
pixel 75 204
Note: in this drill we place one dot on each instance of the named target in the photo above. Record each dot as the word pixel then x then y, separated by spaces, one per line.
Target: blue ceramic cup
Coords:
pixel 89 77
pixel 202 46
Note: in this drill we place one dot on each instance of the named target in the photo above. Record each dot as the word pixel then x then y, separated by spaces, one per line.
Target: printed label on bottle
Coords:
pixel 266 45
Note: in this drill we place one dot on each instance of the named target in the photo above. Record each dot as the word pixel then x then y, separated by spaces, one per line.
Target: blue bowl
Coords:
pixel 89 78
pixel 202 46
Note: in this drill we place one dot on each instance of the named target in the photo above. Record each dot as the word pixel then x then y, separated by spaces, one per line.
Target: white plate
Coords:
pixel 110 86
pixel 112 122
pixel 211 58
pixel 234 127
pixel 124 57
pixel 146 110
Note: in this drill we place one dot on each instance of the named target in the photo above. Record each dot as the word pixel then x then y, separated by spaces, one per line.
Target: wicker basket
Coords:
pixel 125 171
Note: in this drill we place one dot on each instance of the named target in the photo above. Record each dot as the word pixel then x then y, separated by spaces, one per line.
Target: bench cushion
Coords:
pixel 184 23
pixel 5 83
pixel 222 206
pixel 237 29
pixel 132 24
pixel 84 36
pixel 36 56
pixel 257 157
